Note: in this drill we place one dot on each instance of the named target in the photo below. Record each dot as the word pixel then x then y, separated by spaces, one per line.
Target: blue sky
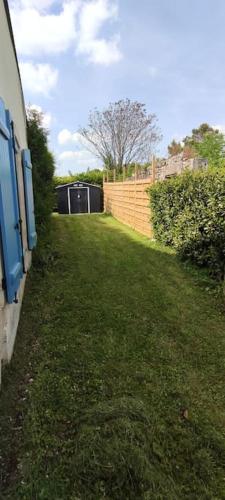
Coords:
pixel 80 54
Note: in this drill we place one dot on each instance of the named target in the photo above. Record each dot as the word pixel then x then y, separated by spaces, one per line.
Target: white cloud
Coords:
pixel 92 17
pixel 82 155
pixel 76 161
pixel 46 117
pixel 65 136
pixel 39 31
pixel 38 78
pixel 221 128
pixel 102 51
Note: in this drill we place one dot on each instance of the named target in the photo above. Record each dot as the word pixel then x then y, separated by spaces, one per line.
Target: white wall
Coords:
pixel 11 93
pixel 10 89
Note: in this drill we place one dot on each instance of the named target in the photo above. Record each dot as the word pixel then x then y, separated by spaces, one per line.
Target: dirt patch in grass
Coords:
pixel 116 388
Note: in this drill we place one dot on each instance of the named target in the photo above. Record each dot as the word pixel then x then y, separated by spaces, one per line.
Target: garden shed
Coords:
pixel 79 198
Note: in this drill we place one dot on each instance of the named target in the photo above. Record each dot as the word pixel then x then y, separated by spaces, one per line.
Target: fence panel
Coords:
pixel 129 203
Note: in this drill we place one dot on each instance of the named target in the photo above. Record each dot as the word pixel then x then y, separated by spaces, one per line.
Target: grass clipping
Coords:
pixel 109 451
pixel 111 446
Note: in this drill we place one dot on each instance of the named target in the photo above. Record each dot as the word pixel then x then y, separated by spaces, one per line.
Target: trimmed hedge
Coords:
pixel 92 177
pixel 188 213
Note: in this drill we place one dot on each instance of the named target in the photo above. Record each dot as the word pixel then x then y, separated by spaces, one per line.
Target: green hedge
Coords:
pixel 43 169
pixel 188 212
pixel 92 177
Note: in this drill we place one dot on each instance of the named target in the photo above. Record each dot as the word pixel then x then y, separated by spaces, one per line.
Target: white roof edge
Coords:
pixel 80 182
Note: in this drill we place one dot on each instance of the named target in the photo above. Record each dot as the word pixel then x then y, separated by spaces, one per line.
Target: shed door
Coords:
pixel 9 209
pixel 78 200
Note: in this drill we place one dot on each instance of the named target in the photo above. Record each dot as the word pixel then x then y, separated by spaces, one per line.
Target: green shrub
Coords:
pixel 43 169
pixel 188 212
pixel 92 177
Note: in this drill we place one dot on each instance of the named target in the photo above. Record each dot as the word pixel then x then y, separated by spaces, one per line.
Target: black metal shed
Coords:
pixel 79 198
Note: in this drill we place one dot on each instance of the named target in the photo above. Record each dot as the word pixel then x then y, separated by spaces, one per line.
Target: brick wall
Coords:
pixel 129 203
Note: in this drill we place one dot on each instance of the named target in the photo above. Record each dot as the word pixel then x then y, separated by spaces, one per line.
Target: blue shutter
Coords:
pixel 9 209
pixel 29 199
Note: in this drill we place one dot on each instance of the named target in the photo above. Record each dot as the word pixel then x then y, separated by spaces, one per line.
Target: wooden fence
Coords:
pixel 128 202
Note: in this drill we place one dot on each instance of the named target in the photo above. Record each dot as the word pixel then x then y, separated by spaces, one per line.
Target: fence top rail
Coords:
pixel 157 169
pixel 147 180
pixel 131 173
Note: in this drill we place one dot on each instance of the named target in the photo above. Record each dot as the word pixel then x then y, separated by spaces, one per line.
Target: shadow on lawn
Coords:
pixel 146 251
pixel 117 338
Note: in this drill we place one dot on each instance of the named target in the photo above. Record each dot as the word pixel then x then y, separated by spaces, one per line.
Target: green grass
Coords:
pixel 117 338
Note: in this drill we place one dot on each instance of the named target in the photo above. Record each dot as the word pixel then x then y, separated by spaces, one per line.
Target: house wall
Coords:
pixel 11 93
pixel 129 203
pixel 10 86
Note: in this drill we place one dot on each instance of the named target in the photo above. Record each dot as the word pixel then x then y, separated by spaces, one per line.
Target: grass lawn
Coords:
pixel 117 386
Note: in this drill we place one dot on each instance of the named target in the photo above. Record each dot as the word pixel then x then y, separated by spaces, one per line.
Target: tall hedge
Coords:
pixel 43 168
pixel 188 213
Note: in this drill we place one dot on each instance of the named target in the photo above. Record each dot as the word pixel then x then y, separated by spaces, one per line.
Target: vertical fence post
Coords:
pixel 107 176
pixel 135 172
pixel 153 169
pixel 124 173
pixel 114 175
pixel 135 194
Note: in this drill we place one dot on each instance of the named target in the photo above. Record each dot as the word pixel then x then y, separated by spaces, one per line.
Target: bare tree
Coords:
pixel 121 134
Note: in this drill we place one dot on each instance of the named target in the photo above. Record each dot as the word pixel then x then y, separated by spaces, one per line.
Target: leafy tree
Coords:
pixel 121 134
pixel 206 142
pixel 43 167
pixel 189 151
pixel 199 133
pixel 175 148
pixel 212 147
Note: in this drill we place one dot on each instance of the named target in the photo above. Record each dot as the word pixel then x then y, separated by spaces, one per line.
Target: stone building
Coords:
pixel 175 165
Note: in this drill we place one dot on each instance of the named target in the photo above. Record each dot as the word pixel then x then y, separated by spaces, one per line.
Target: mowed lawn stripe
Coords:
pixel 126 394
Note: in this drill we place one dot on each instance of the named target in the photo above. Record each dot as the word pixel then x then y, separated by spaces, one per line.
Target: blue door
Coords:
pixel 29 199
pixel 9 209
